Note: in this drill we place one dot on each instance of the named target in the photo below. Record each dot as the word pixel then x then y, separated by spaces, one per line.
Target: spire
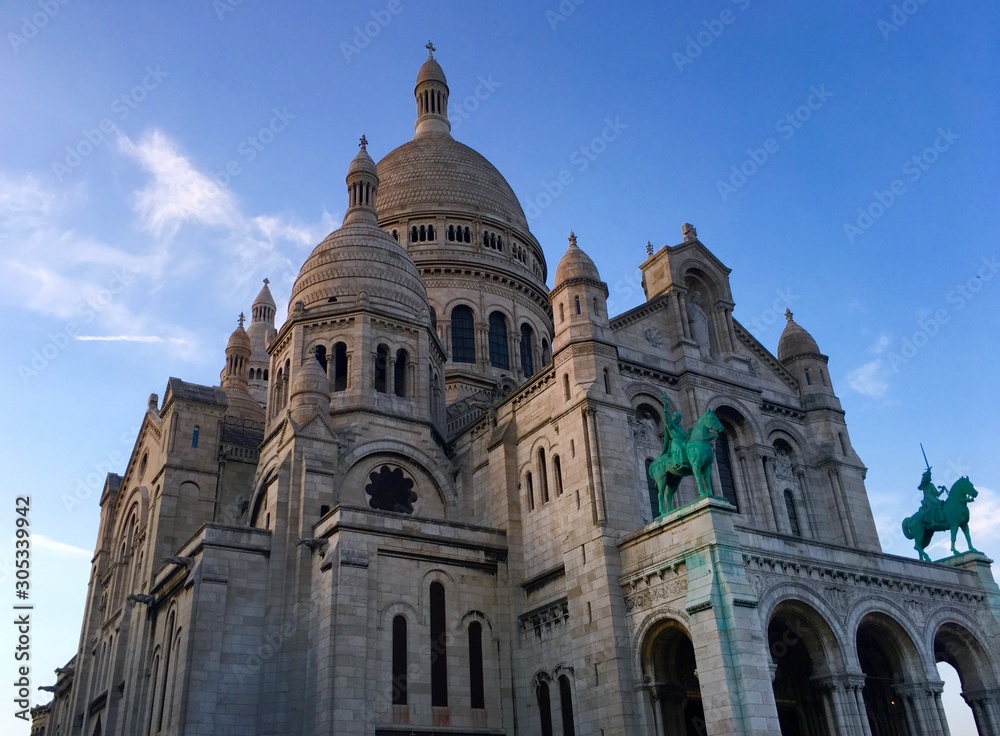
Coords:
pixel 362 184
pixel 263 308
pixel 431 93
pixel 572 239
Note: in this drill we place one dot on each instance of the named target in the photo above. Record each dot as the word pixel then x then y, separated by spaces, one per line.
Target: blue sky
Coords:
pixel 157 160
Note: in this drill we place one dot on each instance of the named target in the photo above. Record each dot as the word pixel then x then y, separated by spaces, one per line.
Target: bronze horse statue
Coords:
pixel 684 455
pixel 954 511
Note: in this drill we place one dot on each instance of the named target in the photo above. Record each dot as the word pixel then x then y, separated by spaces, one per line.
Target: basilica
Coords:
pixel 420 502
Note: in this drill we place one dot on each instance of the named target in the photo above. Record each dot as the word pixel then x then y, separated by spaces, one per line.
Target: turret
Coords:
pixel 579 300
pixel 800 354
pixel 235 376
pixel 431 94
pixel 261 331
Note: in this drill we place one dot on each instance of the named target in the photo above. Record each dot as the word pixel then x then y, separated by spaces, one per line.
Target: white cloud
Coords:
pixel 62 549
pixel 869 379
pixel 127 338
pixel 178 193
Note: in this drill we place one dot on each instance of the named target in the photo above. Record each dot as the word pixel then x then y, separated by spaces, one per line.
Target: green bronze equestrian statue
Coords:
pixel 684 454
pixel 936 515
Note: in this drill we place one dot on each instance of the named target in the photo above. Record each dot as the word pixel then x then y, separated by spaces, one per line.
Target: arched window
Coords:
pixel 577 300
pixel 546 354
pixel 724 461
pixel 439 648
pixel 562 312
pixel 430 232
pixel 566 705
pixel 597 311
pixel 499 356
pixel 530 488
pixel 381 365
pixel 320 352
pixel 399 373
pixel 607 382
pixel 451 232
pixel 793 518
pixel 544 708
pixel 399 688
pixel 476 684
pixel 339 366
pixel 413 234
pixel 543 475
pixel 566 393
pixel 653 491
pixel 423 233
pixel 527 346
pixel 468 235
pixel 557 470
pixel 194 436
pixel 434 319
pixel 463 337
pixel 808 379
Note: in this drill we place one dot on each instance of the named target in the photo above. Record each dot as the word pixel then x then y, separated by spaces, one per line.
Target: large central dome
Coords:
pixel 436 172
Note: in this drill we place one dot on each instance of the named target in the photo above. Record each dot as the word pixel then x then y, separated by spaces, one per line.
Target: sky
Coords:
pixel 157 160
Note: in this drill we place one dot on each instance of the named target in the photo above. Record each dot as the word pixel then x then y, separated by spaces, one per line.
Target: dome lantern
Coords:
pixel 362 185
pixel 431 93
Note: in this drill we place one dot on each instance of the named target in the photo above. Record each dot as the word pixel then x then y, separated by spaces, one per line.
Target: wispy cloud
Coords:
pixel 871 378
pixel 178 193
pixel 868 379
pixel 128 338
pixel 40 541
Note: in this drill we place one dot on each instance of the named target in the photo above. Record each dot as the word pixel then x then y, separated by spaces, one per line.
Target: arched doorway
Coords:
pixel 800 643
pixel 672 679
pixel 881 654
pixel 956 646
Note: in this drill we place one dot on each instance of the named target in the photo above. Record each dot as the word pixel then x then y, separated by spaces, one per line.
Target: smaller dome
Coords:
pixel 795 341
pixel 575 264
pixel 362 162
pixel 240 340
pixel 431 71
pixel 310 378
pixel 264 298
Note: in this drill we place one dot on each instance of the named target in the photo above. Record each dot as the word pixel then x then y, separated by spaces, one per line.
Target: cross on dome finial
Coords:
pixel 363 145
pixel 430 49
pixel 572 239
pixel 242 319
pixel 266 281
pixel 788 314
pixel 649 248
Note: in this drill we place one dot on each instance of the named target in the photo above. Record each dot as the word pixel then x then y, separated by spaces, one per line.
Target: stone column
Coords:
pixel 774 492
pixel 390 374
pixel 594 461
pixel 845 708
pixel 984 710
pixel 806 516
pixel 682 303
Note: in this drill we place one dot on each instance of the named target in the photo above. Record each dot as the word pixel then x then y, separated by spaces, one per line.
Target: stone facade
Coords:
pixel 422 506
